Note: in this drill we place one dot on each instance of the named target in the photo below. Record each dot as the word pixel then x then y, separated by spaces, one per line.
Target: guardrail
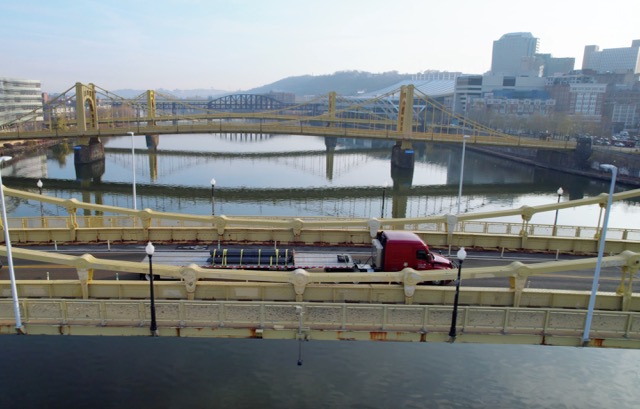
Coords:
pixel 470 229
pixel 402 287
pixel 324 321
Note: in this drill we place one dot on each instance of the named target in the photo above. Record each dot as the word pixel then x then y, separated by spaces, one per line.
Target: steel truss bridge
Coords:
pixel 306 305
pixel 404 114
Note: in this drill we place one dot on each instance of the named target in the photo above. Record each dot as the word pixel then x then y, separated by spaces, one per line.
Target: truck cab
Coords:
pixel 395 250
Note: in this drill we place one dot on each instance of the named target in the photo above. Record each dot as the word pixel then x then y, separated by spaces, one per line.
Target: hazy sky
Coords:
pixel 240 44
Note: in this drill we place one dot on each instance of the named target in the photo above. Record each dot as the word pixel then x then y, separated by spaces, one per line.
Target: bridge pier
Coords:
pixel 152 141
pixel 403 155
pixel 90 152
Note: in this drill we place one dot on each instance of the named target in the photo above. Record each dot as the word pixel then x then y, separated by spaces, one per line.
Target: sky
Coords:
pixel 235 45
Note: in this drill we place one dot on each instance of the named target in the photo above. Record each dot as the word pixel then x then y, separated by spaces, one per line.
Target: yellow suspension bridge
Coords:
pixel 306 305
pixel 402 115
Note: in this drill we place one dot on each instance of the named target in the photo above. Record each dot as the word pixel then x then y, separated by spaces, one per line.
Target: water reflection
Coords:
pixel 304 176
pixel 145 372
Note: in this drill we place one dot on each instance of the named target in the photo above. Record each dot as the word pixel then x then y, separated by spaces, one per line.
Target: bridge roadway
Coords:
pixel 103 301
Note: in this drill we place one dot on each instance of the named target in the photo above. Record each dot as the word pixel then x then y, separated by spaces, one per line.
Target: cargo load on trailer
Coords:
pixel 279 259
pixel 391 251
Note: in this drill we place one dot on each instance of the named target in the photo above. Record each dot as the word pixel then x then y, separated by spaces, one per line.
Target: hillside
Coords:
pixel 203 93
pixel 342 82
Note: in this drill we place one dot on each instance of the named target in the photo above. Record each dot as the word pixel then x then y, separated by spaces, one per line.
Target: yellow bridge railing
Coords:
pixel 196 282
pixel 314 306
pixel 325 321
pixel 117 224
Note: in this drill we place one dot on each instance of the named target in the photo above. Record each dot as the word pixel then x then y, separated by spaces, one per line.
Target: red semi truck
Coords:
pixel 395 250
pixel 391 251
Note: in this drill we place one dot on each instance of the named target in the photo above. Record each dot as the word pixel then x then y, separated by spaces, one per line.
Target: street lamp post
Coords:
pixel 462 254
pixel 213 197
pixel 154 327
pixel 40 184
pixel 464 143
pixel 133 166
pixel 555 222
pixel 7 243
pixel 596 274
pixel 384 191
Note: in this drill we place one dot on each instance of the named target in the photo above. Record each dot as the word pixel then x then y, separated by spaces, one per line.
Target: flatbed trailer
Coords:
pixel 282 259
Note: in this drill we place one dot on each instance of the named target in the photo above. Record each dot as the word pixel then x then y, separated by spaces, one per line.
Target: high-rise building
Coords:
pixel 614 60
pixel 513 54
pixel 555 66
pixel 19 97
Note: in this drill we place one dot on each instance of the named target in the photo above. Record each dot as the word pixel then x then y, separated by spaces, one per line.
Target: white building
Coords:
pixel 474 87
pixel 614 60
pixel 514 54
pixel 19 97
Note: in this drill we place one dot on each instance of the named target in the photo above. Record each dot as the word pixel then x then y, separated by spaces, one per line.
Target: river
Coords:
pixel 292 175
pixel 289 175
pixel 105 372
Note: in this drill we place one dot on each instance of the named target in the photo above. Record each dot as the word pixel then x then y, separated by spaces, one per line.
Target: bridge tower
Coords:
pixel 402 154
pixel 151 107
pixel 86 100
pixel 89 149
pixel 405 111
pixel 332 108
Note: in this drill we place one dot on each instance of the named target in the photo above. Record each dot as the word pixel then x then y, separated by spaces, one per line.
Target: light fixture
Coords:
pixel 149 249
pixel 461 255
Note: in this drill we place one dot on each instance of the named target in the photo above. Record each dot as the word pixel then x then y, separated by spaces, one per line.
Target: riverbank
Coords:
pixel 628 163
pixel 23 148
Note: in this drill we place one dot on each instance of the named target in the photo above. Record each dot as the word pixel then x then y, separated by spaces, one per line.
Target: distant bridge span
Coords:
pixel 403 115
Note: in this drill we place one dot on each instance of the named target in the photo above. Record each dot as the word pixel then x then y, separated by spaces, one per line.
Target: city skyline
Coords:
pixel 239 45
